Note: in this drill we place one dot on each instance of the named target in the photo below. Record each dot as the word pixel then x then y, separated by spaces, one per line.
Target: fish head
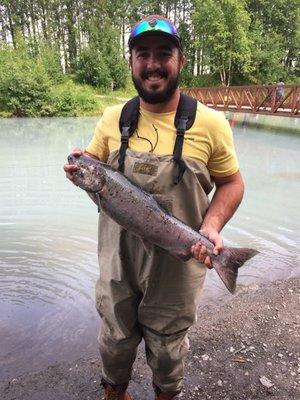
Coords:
pixel 89 175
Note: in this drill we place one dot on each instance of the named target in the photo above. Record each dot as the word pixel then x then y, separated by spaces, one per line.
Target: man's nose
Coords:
pixel 153 61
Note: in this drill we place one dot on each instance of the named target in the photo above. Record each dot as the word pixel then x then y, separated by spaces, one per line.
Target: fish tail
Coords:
pixel 229 261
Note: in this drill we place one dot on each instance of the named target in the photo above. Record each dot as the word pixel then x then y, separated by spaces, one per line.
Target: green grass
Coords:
pixel 71 99
pixel 109 98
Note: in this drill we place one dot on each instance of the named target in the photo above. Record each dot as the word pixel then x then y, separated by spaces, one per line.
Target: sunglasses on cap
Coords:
pixel 154 26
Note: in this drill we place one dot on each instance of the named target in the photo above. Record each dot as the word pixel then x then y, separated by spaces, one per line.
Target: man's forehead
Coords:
pixel 154 41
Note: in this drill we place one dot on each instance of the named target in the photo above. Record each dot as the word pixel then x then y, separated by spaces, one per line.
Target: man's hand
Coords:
pixel 199 251
pixel 69 168
pixel 227 197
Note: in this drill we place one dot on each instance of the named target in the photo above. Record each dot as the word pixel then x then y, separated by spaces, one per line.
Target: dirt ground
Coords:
pixel 246 349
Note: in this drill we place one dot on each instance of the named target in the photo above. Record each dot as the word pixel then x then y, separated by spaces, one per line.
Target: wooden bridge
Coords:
pixel 255 99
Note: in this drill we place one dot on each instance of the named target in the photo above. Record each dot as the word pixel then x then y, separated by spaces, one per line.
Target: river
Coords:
pixel 48 263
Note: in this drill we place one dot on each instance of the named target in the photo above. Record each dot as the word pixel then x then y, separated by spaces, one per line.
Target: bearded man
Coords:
pixel 148 294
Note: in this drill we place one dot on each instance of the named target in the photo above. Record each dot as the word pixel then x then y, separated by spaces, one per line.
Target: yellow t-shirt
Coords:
pixel 209 141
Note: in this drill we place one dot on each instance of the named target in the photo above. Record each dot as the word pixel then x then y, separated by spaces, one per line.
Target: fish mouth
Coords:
pixel 72 159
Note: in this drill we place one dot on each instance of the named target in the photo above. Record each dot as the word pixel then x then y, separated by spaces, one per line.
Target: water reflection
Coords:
pixel 48 264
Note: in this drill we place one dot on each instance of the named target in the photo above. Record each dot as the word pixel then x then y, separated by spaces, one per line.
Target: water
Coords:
pixel 48 262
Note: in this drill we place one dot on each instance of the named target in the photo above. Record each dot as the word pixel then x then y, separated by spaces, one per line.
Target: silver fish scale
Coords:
pixel 138 212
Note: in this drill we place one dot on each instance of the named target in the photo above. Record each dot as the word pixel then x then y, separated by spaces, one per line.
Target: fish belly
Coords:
pixel 139 213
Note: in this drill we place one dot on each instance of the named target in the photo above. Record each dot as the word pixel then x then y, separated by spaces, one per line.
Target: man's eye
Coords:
pixel 142 55
pixel 165 54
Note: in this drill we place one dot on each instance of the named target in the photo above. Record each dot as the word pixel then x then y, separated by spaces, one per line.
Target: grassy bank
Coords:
pixel 66 100
pixel 109 98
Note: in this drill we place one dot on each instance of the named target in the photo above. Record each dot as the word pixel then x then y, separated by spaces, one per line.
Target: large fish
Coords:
pixel 139 212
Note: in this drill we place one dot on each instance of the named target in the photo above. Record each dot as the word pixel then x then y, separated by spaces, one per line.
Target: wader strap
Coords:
pixel 127 124
pixel 123 148
pixel 184 119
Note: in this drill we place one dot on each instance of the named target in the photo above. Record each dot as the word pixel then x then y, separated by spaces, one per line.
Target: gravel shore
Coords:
pixel 246 349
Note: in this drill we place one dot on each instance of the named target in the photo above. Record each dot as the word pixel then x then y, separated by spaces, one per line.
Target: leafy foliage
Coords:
pixel 27 89
pixel 223 28
pixel 24 85
pixel 119 70
pixel 92 69
pixel 45 44
pixel 50 59
pixel 70 99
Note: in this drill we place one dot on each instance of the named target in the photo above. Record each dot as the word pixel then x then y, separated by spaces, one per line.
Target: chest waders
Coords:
pixel 147 293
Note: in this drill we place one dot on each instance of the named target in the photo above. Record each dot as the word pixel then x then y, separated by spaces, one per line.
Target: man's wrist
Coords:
pixel 211 225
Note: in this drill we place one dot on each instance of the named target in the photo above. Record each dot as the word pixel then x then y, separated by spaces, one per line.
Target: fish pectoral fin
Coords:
pixel 96 199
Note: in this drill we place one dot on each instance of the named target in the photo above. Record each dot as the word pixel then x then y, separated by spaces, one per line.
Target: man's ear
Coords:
pixel 182 61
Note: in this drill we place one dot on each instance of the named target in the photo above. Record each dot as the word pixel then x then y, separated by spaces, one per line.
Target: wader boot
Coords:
pixel 159 395
pixel 167 396
pixel 115 392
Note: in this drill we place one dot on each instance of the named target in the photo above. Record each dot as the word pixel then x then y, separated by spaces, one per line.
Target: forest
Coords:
pixel 56 55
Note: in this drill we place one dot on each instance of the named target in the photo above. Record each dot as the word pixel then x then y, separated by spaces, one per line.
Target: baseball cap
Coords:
pixel 154 25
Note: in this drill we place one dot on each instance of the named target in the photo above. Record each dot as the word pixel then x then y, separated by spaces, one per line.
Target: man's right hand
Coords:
pixel 69 168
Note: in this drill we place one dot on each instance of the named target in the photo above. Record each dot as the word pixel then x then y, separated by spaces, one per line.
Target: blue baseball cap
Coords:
pixel 154 25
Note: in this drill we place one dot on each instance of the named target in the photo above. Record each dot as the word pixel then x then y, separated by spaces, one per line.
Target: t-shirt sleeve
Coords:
pixel 223 161
pixel 98 146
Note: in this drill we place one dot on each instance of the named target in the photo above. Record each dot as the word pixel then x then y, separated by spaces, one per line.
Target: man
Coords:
pixel 148 294
pixel 280 90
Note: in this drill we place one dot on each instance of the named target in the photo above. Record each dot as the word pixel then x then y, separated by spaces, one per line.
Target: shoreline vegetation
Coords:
pixel 74 100
pixel 244 348
pixel 36 85
pixel 59 60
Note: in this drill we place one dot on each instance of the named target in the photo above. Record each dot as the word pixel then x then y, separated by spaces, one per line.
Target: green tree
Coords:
pixel 50 58
pixel 24 84
pixel 275 33
pixel 223 28
pixel 267 54
pixel 92 69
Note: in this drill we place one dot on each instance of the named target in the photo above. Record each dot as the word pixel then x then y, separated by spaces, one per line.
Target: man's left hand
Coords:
pixel 199 251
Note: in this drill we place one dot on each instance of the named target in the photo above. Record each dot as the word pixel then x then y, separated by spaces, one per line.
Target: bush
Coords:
pixel 28 88
pixel 73 100
pixel 92 69
pixel 119 70
pixel 24 85
pixel 50 59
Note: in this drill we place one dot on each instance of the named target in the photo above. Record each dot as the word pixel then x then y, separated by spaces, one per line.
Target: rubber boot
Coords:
pixel 167 396
pixel 159 395
pixel 115 392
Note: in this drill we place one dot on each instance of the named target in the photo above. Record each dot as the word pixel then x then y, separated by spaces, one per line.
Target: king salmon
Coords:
pixel 138 211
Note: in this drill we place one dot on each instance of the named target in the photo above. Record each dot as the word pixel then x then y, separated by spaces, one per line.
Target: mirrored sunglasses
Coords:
pixel 156 25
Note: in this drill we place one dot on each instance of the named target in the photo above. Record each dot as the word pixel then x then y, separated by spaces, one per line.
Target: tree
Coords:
pixel 223 27
pixel 276 36
pixel 92 69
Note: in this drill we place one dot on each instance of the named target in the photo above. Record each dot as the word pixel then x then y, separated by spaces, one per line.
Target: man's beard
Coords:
pixel 153 97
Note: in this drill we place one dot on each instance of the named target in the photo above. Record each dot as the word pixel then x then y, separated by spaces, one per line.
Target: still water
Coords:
pixel 48 228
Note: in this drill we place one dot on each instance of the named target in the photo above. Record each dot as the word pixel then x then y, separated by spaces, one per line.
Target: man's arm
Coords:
pixel 227 197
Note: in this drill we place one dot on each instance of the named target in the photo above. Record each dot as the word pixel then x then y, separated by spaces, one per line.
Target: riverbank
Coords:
pixel 68 99
pixel 248 348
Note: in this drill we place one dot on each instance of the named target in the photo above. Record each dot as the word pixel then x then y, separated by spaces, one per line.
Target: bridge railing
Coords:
pixel 258 99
